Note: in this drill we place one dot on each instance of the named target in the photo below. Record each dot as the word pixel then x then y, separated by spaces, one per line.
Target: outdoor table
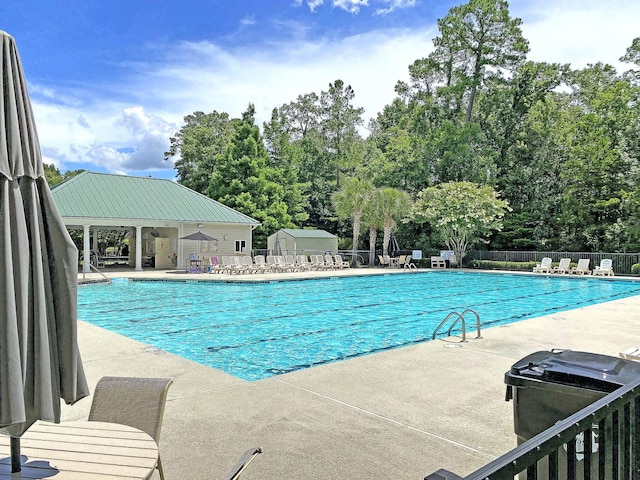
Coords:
pixel 81 450
pixel 395 262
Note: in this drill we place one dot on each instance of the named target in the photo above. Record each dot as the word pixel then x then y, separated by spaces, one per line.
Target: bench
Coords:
pixel 438 262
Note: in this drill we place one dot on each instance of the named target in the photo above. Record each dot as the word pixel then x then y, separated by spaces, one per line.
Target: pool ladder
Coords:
pixel 459 318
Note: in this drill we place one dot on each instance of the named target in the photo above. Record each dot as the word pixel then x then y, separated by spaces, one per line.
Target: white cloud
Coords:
pixel 578 32
pixel 393 5
pixel 351 6
pixel 96 127
pixel 313 4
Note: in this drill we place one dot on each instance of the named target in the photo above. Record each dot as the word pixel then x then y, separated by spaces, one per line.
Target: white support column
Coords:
pixel 95 239
pixel 86 265
pixel 138 249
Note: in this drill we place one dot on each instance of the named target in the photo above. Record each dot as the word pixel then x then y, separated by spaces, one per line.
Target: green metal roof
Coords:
pixel 300 233
pixel 106 196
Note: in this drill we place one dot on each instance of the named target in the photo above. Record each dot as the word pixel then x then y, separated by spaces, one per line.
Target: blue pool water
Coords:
pixel 257 330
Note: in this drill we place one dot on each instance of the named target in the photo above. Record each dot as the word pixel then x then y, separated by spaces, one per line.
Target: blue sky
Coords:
pixel 110 82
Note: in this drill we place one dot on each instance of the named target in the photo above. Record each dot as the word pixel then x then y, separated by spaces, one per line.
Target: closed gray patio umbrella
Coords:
pixel 39 359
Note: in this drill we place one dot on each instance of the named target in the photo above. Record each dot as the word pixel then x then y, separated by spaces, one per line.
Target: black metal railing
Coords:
pixel 601 441
pixel 622 262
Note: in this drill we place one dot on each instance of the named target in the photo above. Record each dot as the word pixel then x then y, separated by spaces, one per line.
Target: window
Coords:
pixel 210 246
pixel 241 246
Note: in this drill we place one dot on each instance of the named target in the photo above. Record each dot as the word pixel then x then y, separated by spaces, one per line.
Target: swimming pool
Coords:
pixel 257 330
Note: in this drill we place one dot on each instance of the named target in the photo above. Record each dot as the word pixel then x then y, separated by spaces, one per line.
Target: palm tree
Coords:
pixel 394 205
pixel 373 216
pixel 350 202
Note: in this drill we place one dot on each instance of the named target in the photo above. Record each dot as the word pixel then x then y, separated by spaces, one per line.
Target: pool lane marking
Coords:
pixel 390 420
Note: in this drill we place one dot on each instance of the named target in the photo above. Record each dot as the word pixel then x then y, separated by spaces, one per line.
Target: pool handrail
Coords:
pixel 460 318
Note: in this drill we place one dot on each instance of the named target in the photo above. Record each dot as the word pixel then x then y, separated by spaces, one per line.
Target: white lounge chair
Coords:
pixel 544 266
pixel 605 268
pixel 582 268
pixel 261 265
pixel 340 262
pixel 329 264
pixel 318 262
pixel 563 267
pixel 438 262
pixel 302 261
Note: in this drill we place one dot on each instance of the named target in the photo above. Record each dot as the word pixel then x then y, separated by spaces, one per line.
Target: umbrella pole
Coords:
pixel 15 455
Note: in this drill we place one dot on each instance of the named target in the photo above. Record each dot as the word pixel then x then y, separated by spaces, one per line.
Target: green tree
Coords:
pixel 395 205
pixel 243 179
pixel 350 203
pixel 318 135
pixel 478 41
pixel 52 174
pixel 463 213
pixel 196 146
pixel 372 218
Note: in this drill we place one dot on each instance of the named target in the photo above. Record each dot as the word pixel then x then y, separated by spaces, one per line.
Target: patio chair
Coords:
pixel 137 402
pixel 544 266
pixel 563 266
pixel 605 268
pixel 582 268
pixel 340 262
pixel 329 263
pixel 261 264
pixel 438 262
pixel 214 265
pixel 384 262
pixel 318 262
pixel 242 463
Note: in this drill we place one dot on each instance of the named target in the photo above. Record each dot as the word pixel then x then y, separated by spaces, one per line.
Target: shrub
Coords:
pixel 635 268
pixel 498 265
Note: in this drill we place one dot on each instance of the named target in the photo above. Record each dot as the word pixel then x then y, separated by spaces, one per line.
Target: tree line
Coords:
pixel 557 148
pixel 560 146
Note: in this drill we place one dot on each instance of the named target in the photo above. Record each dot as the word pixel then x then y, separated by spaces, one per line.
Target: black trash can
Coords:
pixel 549 386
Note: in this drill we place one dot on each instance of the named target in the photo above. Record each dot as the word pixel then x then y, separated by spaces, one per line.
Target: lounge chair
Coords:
pixel 237 265
pixel 318 262
pixel 384 262
pixel 249 266
pixel 631 354
pixel 329 263
pixel 605 268
pixel 291 264
pixel 582 268
pixel 261 264
pixel 544 266
pixel 215 266
pixel 340 262
pixel 563 267
pixel 438 262
pixel 302 261
pixel 137 402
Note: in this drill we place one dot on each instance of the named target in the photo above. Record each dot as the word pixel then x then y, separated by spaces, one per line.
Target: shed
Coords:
pixel 298 242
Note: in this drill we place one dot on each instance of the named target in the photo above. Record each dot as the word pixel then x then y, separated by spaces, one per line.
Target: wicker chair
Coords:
pixel 137 402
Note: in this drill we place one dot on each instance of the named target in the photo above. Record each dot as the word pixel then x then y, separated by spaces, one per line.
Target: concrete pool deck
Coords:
pixel 402 413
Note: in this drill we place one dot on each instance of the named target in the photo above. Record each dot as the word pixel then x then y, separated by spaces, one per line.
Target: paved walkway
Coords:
pixel 397 414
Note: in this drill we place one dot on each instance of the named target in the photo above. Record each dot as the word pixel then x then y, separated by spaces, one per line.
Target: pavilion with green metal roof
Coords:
pixel 157 213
